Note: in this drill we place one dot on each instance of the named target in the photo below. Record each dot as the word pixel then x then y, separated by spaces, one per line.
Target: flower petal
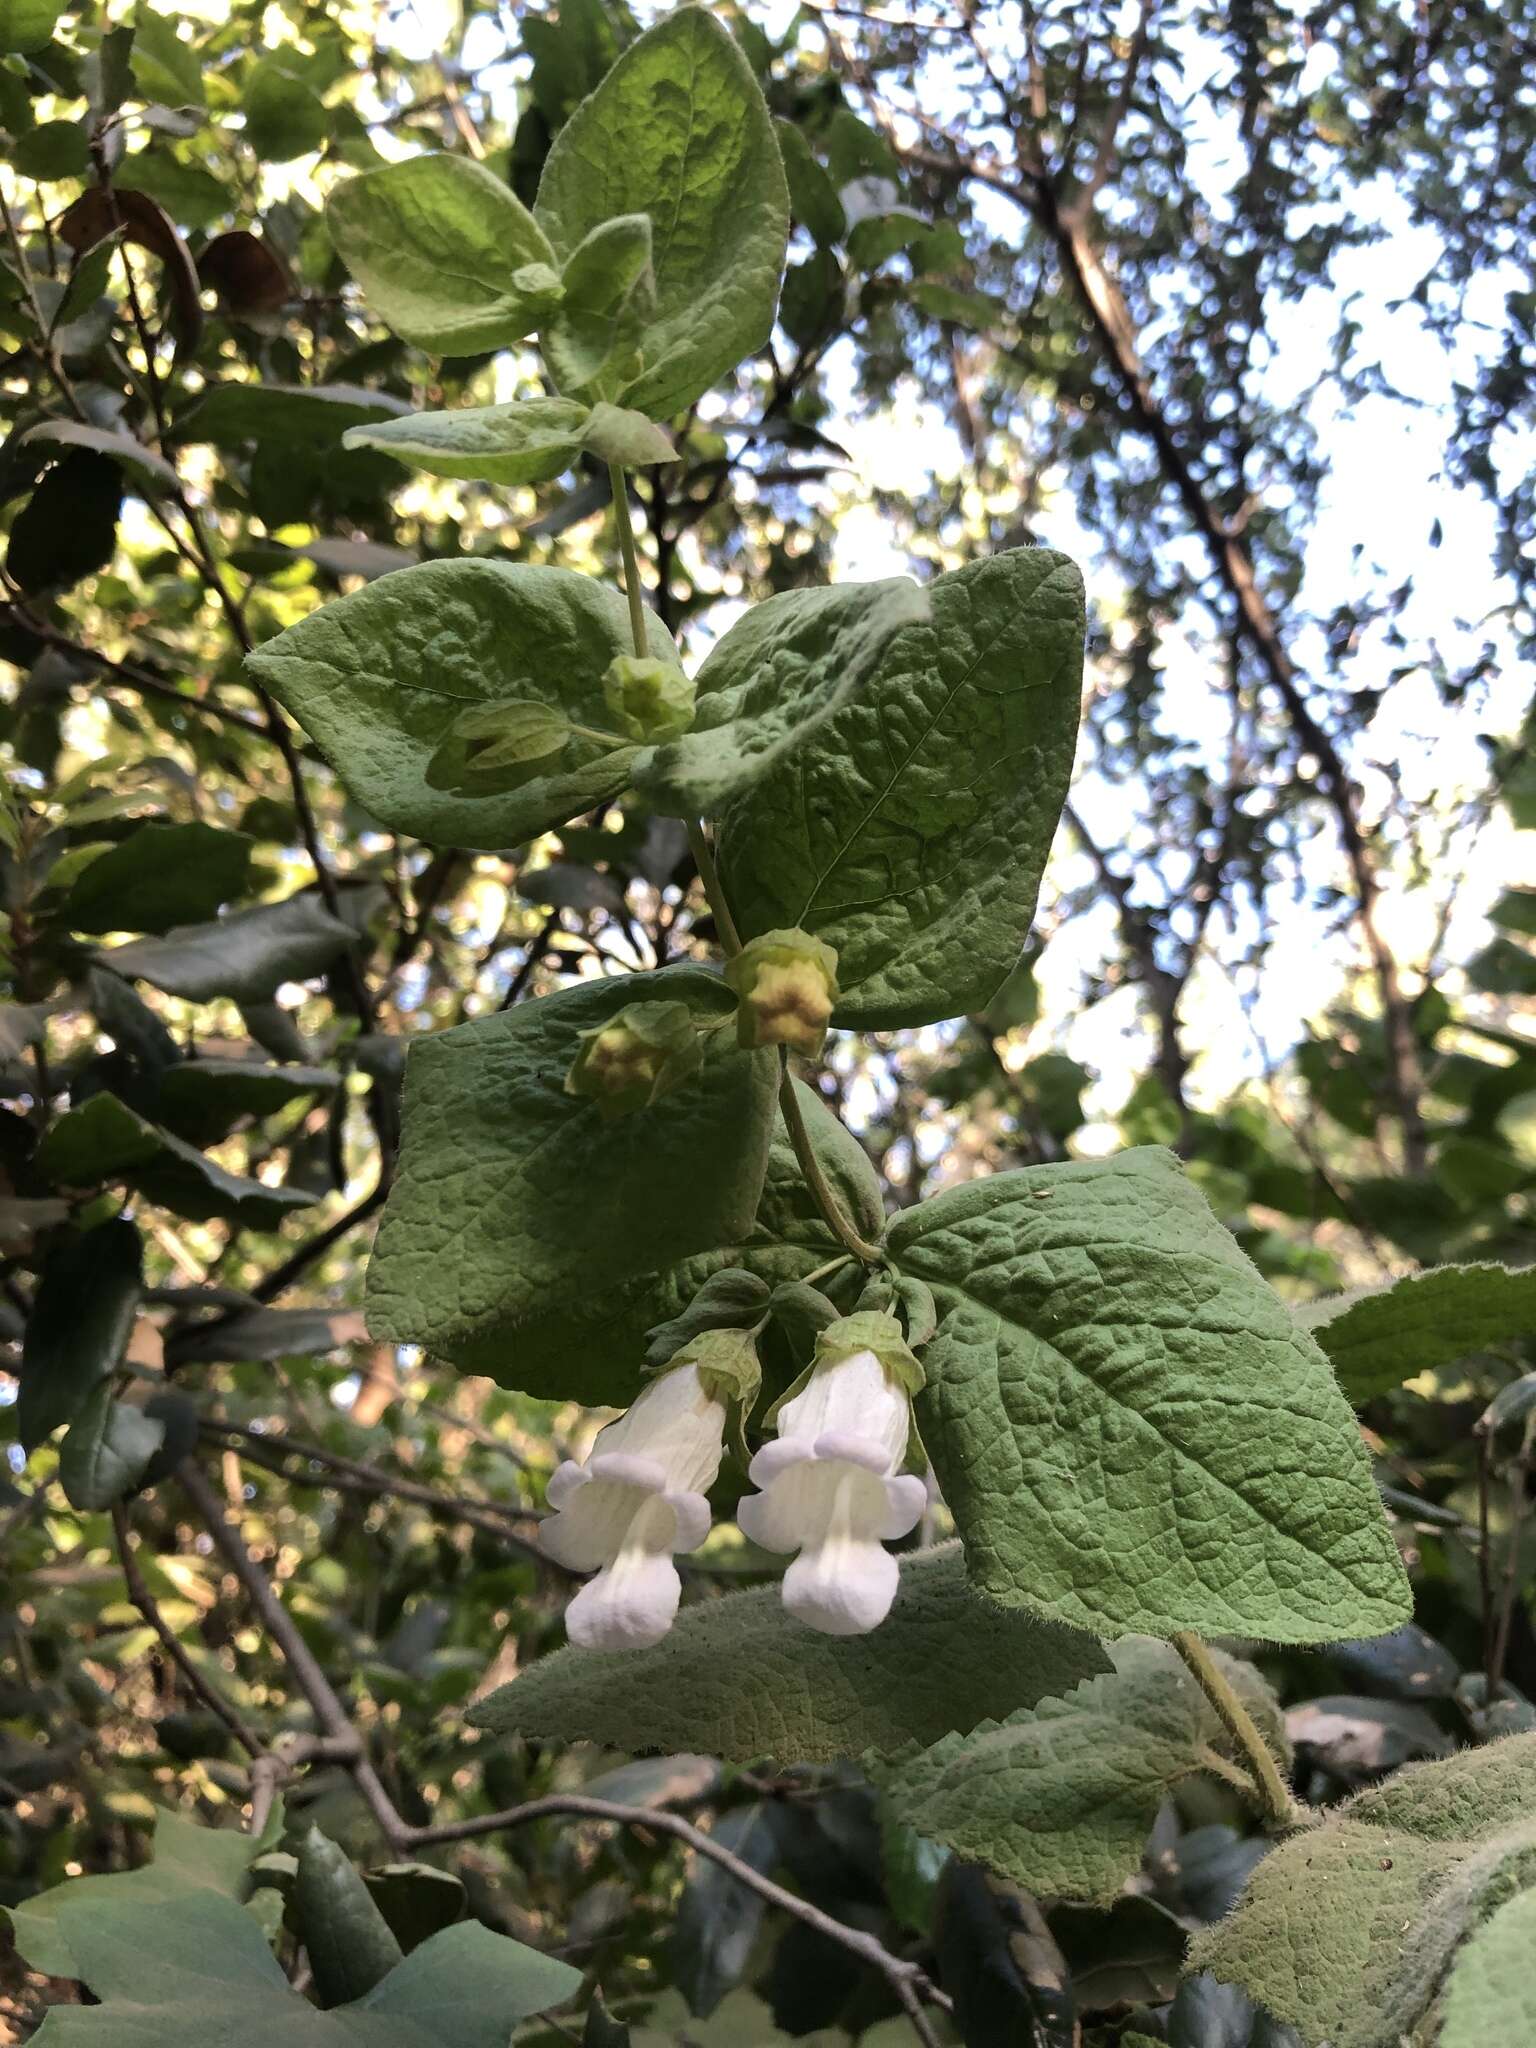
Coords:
pixel 628 1606
pixel 692 1517
pixel 564 1480
pixel 906 1500
pixel 843 1587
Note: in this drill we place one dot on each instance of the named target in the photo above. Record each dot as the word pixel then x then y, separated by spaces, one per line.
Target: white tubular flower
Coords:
pixel 831 1486
pixel 638 1499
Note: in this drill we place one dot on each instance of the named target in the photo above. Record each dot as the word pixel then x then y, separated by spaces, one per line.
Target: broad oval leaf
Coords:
pixel 244 956
pixel 678 129
pixel 740 1678
pixel 441 248
pixel 911 829
pixel 1122 1413
pixel 1347 1930
pixel 1492 1993
pixel 378 678
pixel 510 1191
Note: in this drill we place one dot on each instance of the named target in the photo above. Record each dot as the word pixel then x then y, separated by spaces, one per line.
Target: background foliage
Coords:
pixel 1175 291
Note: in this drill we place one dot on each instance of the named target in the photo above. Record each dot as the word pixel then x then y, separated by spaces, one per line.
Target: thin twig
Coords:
pixel 907 1980
pixel 144 1600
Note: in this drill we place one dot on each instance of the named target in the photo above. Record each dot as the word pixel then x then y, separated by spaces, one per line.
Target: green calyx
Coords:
pixel 786 982
pixel 643 1053
pixel 871 1330
pixel 650 699
pixel 729 1372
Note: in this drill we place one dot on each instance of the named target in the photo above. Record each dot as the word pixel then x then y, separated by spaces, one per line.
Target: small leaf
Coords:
pixel 525 443
pixel 509 1189
pixel 104 1142
pixel 441 249
pixel 203 1100
pixel 468 1987
pixel 417 1900
pixel 592 339
pixel 1347 1930
pixel 379 677
pixel 1118 1405
pixel 678 130
pixel 1380 1337
pixel 159 876
pixel 67 529
pixel 707 1686
pixel 1061 1797
pixel 488 748
pixel 812 195
pixel 615 434
pixel 79 1327
pixel 106 1451
pixel 1001 1965
pixel 718 1918
pixel 350 1946
pixel 283 117
pixel 244 956
pixel 150 471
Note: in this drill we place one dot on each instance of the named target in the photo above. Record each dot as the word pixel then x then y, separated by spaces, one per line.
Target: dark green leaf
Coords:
pixel 244 956
pixel 718 1917
pixel 160 875
pixel 106 1450
pixel 79 1327
pixel 350 1946
pixel 104 1142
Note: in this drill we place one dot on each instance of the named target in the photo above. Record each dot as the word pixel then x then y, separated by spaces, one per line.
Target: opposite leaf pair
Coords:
pixel 831 1485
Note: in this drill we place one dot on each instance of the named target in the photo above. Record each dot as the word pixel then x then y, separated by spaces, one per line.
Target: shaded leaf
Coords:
pixel 738 1677
pixel 104 1141
pixel 79 1327
pixel 244 956
pixel 159 876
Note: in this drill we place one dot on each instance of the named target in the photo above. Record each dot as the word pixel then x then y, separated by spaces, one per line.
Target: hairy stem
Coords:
pixel 704 860
pixel 1274 1796
pixel 838 1222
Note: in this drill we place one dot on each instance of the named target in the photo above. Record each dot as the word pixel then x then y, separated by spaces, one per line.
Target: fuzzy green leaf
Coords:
pixel 1492 1993
pixel 443 250
pixel 910 830
pixel 379 677
pixel 678 130
pixel 740 1678
pixel 525 443
pixel 1347 1931
pixel 1378 1339
pixel 510 1190
pixel 1131 1431
pixel 783 668
pixel 590 1348
pixel 1061 1797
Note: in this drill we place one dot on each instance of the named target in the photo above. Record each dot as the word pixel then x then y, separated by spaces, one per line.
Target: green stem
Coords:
pixel 709 875
pixel 837 1221
pixel 631 555
pixel 1274 1795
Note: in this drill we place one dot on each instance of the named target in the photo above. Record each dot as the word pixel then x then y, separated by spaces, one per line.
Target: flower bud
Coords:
pixel 787 985
pixel 641 1054
pixel 651 700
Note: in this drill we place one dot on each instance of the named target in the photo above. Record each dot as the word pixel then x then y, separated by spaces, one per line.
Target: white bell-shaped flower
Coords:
pixel 638 1499
pixel 831 1489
